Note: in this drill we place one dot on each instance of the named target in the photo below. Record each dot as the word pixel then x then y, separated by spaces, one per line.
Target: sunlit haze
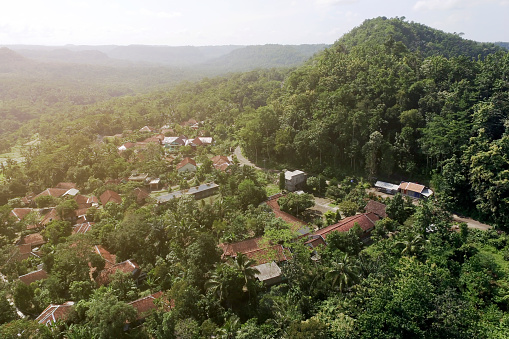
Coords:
pixel 224 22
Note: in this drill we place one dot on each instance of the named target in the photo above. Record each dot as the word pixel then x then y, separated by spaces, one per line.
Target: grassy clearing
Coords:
pixel 272 189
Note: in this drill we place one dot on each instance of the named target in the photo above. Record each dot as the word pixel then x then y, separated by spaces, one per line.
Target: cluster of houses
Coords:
pixel 269 256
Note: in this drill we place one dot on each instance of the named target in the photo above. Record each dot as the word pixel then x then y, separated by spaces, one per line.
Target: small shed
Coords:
pixel 386 187
pixel 270 273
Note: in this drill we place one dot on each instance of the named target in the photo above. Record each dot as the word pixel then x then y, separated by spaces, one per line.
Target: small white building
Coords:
pixel 295 180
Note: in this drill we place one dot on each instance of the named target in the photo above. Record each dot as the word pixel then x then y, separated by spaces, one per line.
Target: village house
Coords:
pixel 414 190
pixel 365 221
pixel 110 196
pixel 186 165
pixel 145 306
pixel 126 146
pixel 377 208
pixel 34 276
pixel 198 192
pixel 221 162
pixel 257 249
pixel 82 228
pixel 127 266
pixel 55 313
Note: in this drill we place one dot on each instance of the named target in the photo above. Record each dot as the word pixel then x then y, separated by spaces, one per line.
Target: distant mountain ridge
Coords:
pixel 231 57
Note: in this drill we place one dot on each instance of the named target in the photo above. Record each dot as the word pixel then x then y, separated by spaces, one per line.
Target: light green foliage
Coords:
pixel 45 201
pixel 348 208
pixel 105 315
pixel 296 204
pixel 57 231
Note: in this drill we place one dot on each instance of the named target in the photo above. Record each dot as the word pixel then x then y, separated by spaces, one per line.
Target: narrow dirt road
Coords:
pixel 243 160
pixel 471 222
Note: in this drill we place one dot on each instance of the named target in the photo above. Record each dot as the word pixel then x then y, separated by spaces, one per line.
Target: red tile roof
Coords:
pixel 221 162
pixel 141 194
pixel 34 240
pixel 411 186
pixel 50 216
pixel 316 241
pixel 33 276
pixel 376 207
pixel 241 247
pixel 54 313
pixel 20 213
pixel 128 266
pixel 82 228
pixel 110 196
pixel 144 306
pixel 54 192
pixel 110 259
pixel 197 142
pixel 25 248
pixel 185 162
pixel 275 253
pixel 365 221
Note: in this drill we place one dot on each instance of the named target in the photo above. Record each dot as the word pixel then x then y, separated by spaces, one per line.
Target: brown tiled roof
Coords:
pixel 50 216
pixel 143 306
pixel 54 313
pixel 240 247
pixel 66 185
pixel 365 221
pixel 155 139
pixel 316 241
pixel 82 228
pixel 376 207
pixel 141 194
pixel 54 192
pixel 185 162
pixel 110 196
pixel 220 162
pixel 197 142
pixel 20 213
pixel 34 240
pixel 264 255
pixel 110 259
pixel 219 159
pixel 82 201
pixel 25 248
pixel 128 266
pixel 33 276
pixel 411 186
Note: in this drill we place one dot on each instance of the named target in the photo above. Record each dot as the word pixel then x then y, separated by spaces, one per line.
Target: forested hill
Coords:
pixel 416 37
pixel 375 106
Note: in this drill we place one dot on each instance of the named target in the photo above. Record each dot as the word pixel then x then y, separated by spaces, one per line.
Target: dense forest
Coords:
pixel 391 100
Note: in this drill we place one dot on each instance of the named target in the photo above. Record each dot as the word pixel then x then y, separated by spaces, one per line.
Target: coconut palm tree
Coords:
pixel 411 245
pixel 345 271
pixel 244 265
pixel 217 283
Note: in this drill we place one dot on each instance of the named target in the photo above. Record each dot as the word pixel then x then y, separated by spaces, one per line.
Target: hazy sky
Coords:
pixel 237 22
